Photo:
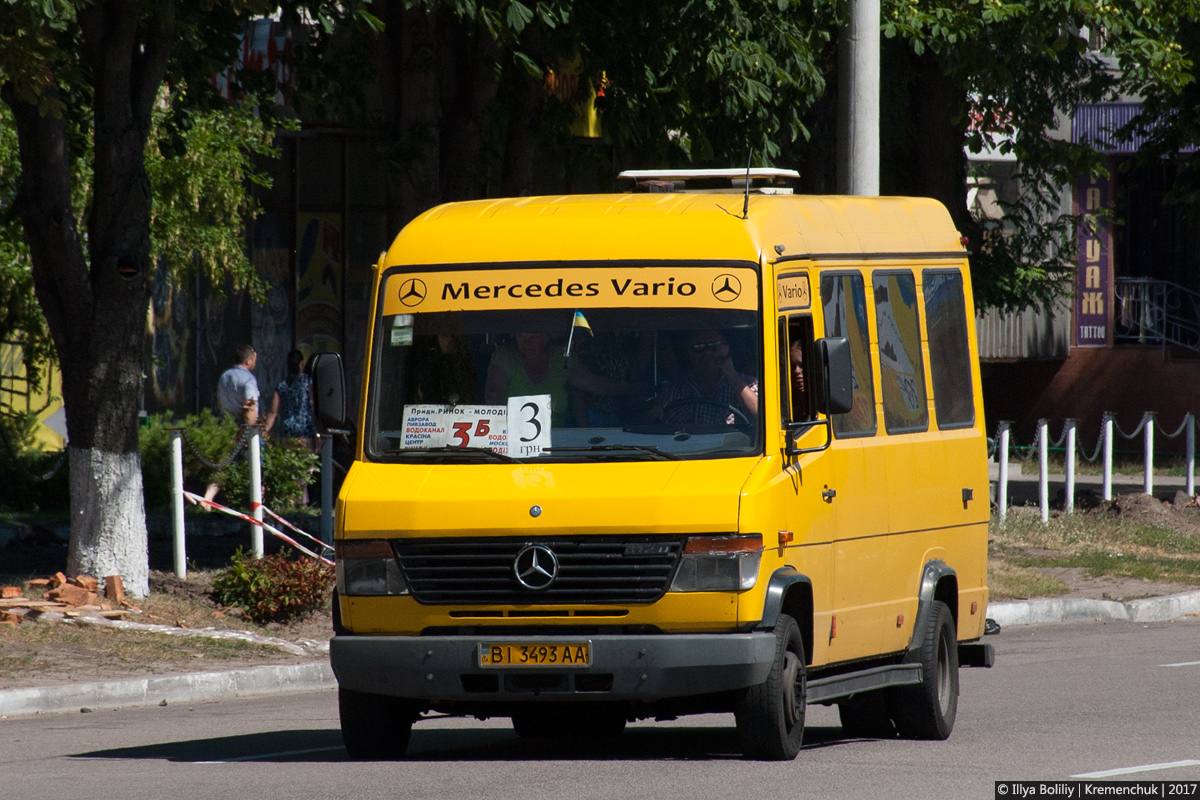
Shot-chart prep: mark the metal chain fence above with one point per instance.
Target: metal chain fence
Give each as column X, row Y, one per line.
column 239, row 444
column 16, row 459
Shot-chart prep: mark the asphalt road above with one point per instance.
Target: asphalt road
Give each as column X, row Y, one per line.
column 1063, row 700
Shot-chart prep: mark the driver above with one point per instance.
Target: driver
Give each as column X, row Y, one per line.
column 710, row 388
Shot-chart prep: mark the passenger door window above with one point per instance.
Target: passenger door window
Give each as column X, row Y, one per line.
column 795, row 373
column 949, row 348
column 901, row 367
column 845, row 304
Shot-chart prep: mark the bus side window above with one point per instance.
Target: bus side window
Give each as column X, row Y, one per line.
column 795, row 345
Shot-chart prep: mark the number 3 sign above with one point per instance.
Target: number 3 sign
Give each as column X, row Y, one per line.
column 528, row 425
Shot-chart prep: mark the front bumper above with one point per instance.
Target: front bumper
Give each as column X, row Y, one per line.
column 624, row 667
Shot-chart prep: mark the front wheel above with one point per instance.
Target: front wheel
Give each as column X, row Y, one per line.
column 770, row 717
column 375, row 727
column 927, row 709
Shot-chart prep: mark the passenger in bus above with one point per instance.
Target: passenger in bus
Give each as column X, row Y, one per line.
column 532, row 365
column 618, row 356
column 801, row 410
column 443, row 370
column 710, row 391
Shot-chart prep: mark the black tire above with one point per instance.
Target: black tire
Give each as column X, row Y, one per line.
column 927, row 710
column 865, row 716
column 574, row 723
column 770, row 717
column 375, row 727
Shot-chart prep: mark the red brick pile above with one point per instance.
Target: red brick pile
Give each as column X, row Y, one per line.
column 71, row 597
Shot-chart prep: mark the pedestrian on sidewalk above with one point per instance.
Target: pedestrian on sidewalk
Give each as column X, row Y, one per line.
column 292, row 404
column 237, row 394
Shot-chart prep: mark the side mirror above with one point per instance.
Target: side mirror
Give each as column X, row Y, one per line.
column 329, row 390
column 833, row 374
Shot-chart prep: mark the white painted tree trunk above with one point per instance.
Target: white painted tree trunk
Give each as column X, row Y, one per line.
column 108, row 523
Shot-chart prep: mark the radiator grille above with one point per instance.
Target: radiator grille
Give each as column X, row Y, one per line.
column 590, row 570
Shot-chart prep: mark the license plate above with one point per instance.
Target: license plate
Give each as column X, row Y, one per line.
column 535, row 654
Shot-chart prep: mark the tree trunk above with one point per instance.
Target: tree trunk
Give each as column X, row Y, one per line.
column 108, row 519
column 467, row 59
column 412, row 54
column 97, row 311
column 526, row 97
column 924, row 133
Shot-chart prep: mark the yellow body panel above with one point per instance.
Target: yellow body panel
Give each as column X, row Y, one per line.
column 898, row 502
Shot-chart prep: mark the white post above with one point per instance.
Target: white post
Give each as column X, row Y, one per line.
column 1070, row 459
column 858, row 101
column 1108, row 448
column 1044, row 468
column 177, row 502
column 1002, row 457
column 326, row 489
column 256, row 533
column 1191, row 454
column 1148, row 456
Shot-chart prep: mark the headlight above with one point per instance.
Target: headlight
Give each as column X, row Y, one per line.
column 367, row 567
column 719, row 564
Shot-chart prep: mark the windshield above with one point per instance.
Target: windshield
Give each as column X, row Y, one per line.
column 628, row 364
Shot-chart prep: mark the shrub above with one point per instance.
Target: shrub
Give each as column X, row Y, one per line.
column 275, row 588
column 285, row 467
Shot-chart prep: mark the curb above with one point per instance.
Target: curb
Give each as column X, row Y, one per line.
column 192, row 687
column 1151, row 609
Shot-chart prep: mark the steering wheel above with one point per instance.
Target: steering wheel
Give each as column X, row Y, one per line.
column 741, row 421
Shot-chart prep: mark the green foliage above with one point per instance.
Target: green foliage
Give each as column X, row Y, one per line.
column 200, row 179
column 285, row 467
column 275, row 588
column 1022, row 65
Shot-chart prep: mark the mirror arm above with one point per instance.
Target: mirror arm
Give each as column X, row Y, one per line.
column 797, row 429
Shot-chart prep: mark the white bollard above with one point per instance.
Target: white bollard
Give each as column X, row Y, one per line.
column 1002, row 457
column 1148, row 454
column 1108, row 448
column 177, row 502
column 1044, row 468
column 1191, row 454
column 256, row 532
column 1070, row 459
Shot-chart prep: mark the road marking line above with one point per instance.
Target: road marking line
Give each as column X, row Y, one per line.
column 1109, row 773
column 272, row 755
column 1182, row 664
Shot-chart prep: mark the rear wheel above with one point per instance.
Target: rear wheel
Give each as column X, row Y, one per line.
column 927, row 710
column 375, row 727
column 865, row 716
column 770, row 717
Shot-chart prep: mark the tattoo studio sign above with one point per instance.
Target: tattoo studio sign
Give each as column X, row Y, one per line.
column 520, row 429
column 1093, row 276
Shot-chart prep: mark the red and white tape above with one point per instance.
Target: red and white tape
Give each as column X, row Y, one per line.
column 198, row 500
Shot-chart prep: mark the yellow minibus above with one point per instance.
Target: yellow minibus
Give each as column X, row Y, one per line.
column 640, row 455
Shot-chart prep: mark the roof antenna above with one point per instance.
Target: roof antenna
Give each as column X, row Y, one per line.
column 746, row 201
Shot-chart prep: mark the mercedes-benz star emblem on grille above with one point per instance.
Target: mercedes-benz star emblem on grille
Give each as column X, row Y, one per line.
column 536, row 566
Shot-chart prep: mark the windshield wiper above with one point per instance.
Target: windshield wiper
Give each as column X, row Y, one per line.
column 653, row 452
column 452, row 450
